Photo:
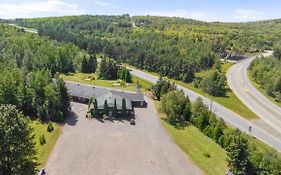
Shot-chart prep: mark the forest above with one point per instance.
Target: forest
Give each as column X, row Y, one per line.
column 173, row 47
column 30, row 88
column 29, row 64
column 266, row 72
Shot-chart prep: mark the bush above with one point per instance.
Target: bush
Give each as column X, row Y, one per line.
column 57, row 117
column 206, row 155
column 42, row 140
column 50, row 127
column 177, row 107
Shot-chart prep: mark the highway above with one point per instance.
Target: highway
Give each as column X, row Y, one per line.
column 227, row 115
column 240, row 84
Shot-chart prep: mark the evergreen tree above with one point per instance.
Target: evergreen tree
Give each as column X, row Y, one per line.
column 85, row 65
column 17, row 148
column 176, row 106
column 238, row 154
column 128, row 77
column 95, row 108
column 103, row 69
column 162, row 87
column 114, row 111
column 92, row 63
column 124, row 107
column 64, row 98
column 277, row 50
column 214, row 83
column 106, row 110
column 91, row 100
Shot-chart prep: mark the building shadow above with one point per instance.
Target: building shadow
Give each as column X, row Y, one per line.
column 119, row 118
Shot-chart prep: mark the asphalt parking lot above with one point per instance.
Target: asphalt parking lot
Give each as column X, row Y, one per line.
column 88, row 146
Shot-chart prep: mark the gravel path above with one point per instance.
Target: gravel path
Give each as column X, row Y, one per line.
column 88, row 146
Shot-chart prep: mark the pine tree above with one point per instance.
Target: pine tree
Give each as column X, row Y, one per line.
column 92, row 63
column 238, row 154
column 95, row 108
column 106, row 110
column 124, row 107
column 128, row 77
column 114, row 111
column 84, row 65
column 17, row 147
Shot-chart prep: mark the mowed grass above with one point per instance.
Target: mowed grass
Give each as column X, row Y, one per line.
column 230, row 101
column 82, row 78
column 43, row 151
column 195, row 144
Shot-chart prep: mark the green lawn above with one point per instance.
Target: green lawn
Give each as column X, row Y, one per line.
column 195, row 144
column 43, row 151
column 231, row 101
column 83, row 78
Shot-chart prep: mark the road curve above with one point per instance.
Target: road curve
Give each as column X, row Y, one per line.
column 227, row 115
column 240, row 84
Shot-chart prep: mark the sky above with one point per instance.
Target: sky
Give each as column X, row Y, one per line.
column 206, row 10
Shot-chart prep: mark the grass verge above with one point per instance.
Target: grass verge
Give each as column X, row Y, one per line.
column 203, row 151
column 82, row 78
column 230, row 101
column 43, row 151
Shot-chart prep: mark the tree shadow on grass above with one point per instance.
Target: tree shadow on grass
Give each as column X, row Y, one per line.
column 179, row 125
column 69, row 74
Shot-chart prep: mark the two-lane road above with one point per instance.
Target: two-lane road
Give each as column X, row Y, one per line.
column 240, row 84
column 227, row 115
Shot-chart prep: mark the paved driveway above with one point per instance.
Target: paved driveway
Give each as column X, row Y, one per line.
column 89, row 147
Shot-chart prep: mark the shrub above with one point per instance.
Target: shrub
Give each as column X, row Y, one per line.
column 57, row 117
column 206, row 155
column 50, row 127
column 42, row 140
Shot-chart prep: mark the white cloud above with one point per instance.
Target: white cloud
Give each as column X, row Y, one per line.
column 38, row 9
column 182, row 13
column 248, row 15
column 105, row 4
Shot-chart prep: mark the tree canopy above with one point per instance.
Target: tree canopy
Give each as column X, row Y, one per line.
column 17, row 149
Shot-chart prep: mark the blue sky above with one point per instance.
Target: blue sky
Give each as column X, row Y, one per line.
column 207, row 10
